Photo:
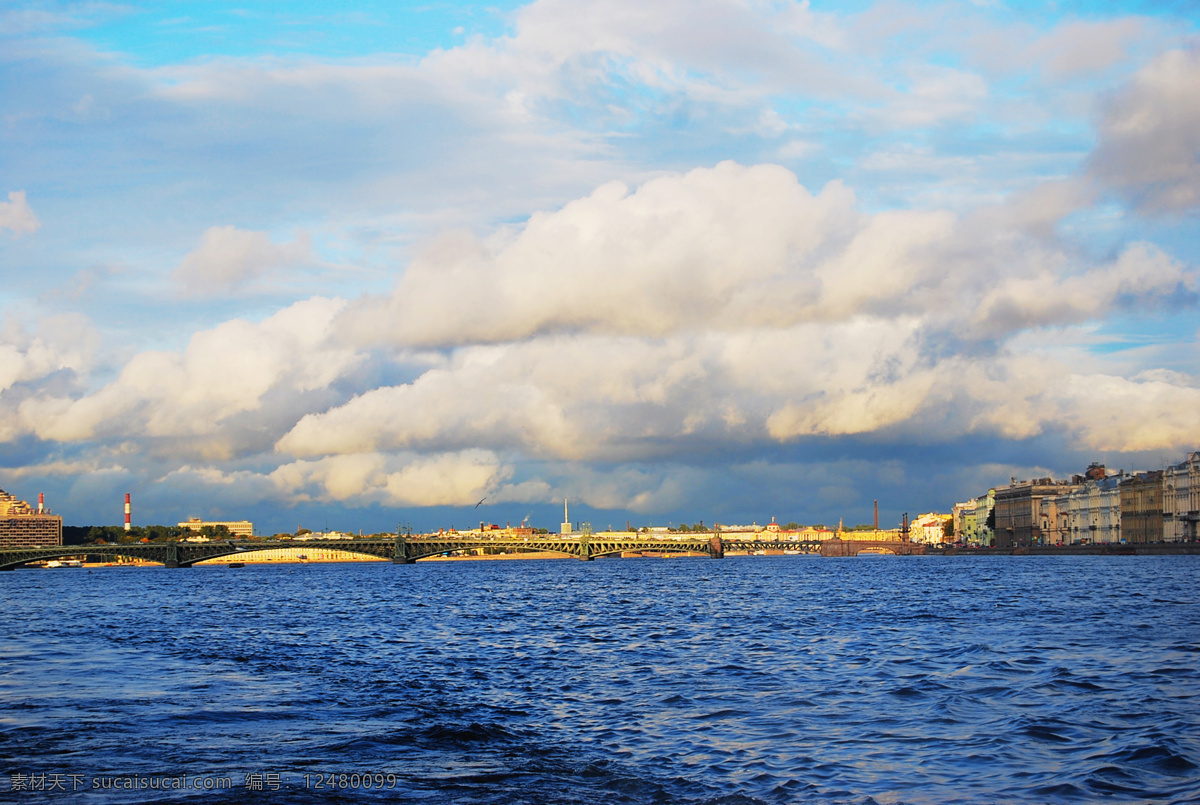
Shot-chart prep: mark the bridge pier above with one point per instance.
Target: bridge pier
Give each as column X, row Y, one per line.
column 400, row 556
column 716, row 550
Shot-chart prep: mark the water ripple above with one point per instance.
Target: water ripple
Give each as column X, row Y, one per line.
column 753, row 680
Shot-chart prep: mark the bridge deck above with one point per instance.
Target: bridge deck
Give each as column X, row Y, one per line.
column 401, row 550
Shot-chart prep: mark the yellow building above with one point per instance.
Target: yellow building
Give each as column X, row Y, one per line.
column 22, row 526
column 237, row 528
column 872, row 535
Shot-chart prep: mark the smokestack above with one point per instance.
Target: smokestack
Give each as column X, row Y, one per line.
column 41, row 502
column 127, row 524
column 877, row 515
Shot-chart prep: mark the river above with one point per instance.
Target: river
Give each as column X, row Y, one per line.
column 750, row 679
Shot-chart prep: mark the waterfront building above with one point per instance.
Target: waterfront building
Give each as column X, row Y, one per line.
column 1088, row 513
column 984, row 506
column 971, row 520
column 1020, row 520
column 964, row 517
column 870, row 535
column 1142, row 507
column 22, row 526
column 1181, row 500
column 237, row 528
column 928, row 528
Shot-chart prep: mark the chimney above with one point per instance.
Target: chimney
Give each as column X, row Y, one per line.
column 127, row 524
column 877, row 515
column 41, row 502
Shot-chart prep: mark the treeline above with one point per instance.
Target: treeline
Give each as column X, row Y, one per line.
column 97, row 534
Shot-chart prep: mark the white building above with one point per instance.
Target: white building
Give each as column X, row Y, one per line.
column 1090, row 513
column 1181, row 500
column 928, row 528
column 237, row 528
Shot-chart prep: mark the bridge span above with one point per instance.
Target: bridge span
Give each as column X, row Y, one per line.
column 400, row 550
column 851, row 547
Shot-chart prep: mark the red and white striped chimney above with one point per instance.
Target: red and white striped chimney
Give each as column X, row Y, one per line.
column 127, row 511
column 41, row 502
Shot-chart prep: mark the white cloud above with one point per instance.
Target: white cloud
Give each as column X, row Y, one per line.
column 676, row 253
column 229, row 258
column 735, row 247
column 1149, row 150
column 1141, row 276
column 16, row 215
column 447, row 479
column 224, row 372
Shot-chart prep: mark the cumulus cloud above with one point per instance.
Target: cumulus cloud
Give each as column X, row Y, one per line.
column 730, row 306
column 229, row 258
column 734, row 247
column 62, row 341
column 1142, row 275
column 224, row 372
column 53, row 353
column 361, row 479
column 16, row 215
column 1149, row 149
column 675, row 253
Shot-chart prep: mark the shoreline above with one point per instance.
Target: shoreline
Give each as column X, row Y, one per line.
column 1103, row 549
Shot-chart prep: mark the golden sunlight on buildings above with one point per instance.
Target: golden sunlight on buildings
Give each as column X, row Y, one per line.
column 23, row 526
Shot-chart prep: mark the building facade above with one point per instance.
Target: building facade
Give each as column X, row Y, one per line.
column 1020, row 518
column 1088, row 513
column 1142, row 507
column 1181, row 500
column 22, row 526
column 928, row 528
column 237, row 528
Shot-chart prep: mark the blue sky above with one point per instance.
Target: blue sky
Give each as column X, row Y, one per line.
column 675, row 261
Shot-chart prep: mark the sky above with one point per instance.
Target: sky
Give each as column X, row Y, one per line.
column 367, row 264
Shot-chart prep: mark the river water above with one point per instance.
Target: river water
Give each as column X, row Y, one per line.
column 752, row 679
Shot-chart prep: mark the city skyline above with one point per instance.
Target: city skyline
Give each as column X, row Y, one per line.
column 713, row 260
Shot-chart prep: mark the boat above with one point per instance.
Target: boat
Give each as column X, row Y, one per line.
column 237, row 564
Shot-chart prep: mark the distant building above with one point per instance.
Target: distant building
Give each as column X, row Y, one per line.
column 971, row 519
column 929, row 528
column 1181, row 500
column 22, row 526
column 869, row 535
column 1020, row 519
column 1142, row 507
column 1088, row 513
column 565, row 526
column 237, row 528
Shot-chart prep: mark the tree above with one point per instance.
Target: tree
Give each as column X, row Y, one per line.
column 792, row 527
column 948, row 528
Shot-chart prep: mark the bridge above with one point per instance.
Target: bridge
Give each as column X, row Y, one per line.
column 400, row 549
column 851, row 547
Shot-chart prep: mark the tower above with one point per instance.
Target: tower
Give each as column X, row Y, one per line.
column 566, row 523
